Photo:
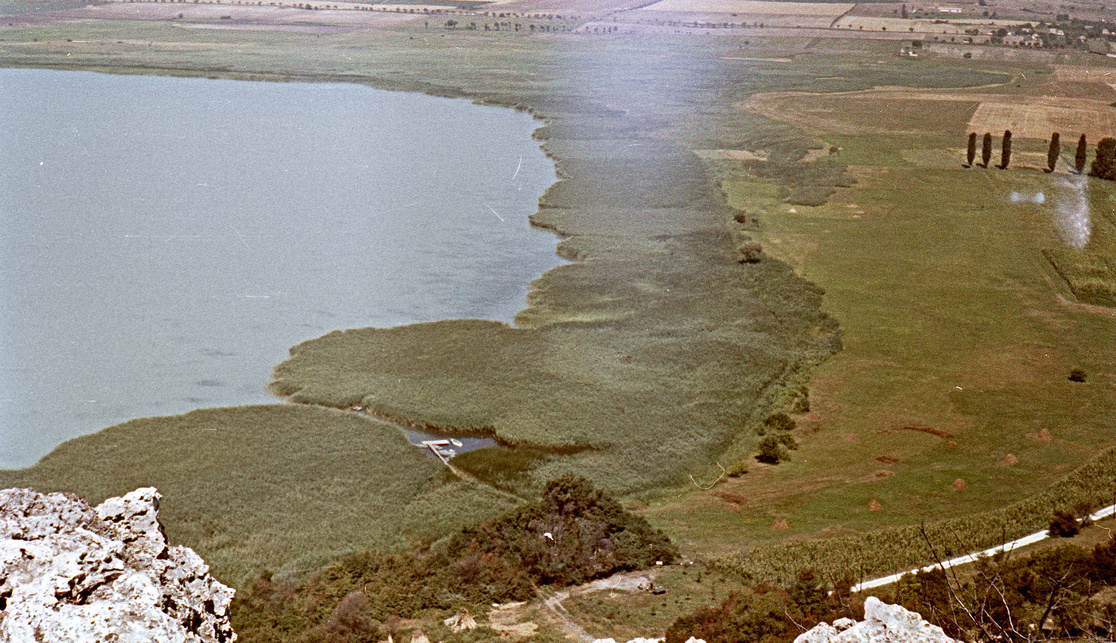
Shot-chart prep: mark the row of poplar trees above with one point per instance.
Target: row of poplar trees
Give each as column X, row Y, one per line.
column 986, row 150
column 1104, row 165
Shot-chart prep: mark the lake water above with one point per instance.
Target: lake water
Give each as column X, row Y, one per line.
column 164, row 241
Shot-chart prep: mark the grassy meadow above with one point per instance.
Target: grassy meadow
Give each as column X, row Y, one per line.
column 951, row 396
column 913, row 298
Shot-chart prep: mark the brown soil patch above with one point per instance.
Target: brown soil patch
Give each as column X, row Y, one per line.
column 727, row 496
column 875, row 506
column 504, row 619
column 1071, row 109
column 959, row 484
column 780, row 524
column 1010, row 460
column 922, row 429
column 883, row 473
column 887, row 459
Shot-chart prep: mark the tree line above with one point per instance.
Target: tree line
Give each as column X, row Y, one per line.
column 1103, row 166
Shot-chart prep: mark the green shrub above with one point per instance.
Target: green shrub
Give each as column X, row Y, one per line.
column 772, row 450
column 780, row 421
column 1063, row 525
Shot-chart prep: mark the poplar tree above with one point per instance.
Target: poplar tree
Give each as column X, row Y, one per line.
column 972, row 150
column 986, row 150
column 1005, row 150
column 1079, row 158
column 1054, row 152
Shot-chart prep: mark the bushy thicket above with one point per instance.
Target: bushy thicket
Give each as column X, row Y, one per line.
column 574, row 534
column 1052, row 594
column 767, row 614
column 1047, row 596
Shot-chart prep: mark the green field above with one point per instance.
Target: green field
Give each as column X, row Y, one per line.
column 647, row 364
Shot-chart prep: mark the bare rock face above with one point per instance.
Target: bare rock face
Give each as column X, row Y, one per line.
column 882, row 623
column 73, row 573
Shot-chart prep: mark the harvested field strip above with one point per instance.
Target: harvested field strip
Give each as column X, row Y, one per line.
column 1040, row 120
column 1081, row 74
column 752, row 7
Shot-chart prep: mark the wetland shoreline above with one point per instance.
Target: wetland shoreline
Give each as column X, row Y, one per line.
column 634, row 366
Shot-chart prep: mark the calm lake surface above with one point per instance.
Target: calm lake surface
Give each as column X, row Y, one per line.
column 165, row 241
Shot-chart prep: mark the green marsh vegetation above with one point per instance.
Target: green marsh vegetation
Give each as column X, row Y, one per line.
column 282, row 487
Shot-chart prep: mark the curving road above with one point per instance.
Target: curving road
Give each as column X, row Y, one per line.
column 970, row 558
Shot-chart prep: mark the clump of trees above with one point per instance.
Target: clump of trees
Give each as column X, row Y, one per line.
column 573, row 534
column 776, row 441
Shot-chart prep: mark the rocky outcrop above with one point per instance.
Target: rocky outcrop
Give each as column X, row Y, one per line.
column 73, row 573
column 882, row 623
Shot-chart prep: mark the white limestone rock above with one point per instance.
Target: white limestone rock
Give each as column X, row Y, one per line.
column 75, row 574
column 882, row 623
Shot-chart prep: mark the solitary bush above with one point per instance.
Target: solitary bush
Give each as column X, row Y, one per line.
column 1064, row 525
column 351, row 621
column 772, row 450
column 750, row 252
column 1104, row 165
column 801, row 402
